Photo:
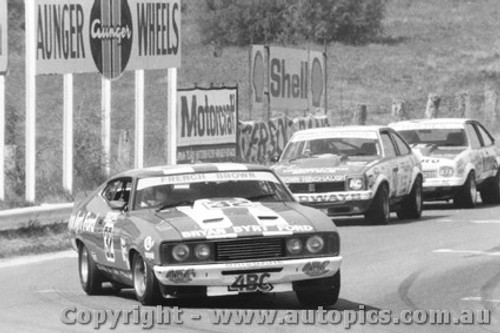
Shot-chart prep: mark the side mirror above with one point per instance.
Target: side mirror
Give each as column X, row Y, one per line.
column 117, row 205
column 275, row 158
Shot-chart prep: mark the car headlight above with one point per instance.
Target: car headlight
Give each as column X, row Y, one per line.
column 294, row 246
column 180, row 252
column 315, row 244
column 202, row 251
column 356, row 184
column 446, row 171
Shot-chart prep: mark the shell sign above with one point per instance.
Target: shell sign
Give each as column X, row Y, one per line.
column 107, row 36
column 4, row 53
column 294, row 79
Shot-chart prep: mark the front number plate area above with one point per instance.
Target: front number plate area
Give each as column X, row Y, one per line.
column 250, row 283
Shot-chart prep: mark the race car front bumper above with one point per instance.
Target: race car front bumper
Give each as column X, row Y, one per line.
column 338, row 203
column 441, row 187
column 236, row 277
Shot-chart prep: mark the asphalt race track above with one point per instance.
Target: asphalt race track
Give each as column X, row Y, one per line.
column 448, row 260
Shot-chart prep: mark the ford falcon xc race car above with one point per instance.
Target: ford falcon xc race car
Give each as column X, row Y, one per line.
column 353, row 170
column 459, row 157
column 204, row 230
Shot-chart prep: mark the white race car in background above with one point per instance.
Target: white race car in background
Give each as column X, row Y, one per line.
column 459, row 158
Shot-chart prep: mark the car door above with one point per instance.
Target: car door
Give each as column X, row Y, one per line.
column 390, row 161
column 116, row 196
column 476, row 155
column 405, row 165
column 487, row 151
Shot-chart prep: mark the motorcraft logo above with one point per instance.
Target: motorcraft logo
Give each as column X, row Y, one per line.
column 111, row 34
column 258, row 76
column 317, row 82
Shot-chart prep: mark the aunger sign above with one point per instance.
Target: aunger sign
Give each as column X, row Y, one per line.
column 107, row 36
column 4, row 53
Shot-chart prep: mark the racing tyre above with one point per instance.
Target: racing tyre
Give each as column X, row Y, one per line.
column 146, row 286
column 411, row 207
column 491, row 194
column 380, row 211
column 90, row 277
column 466, row 197
column 319, row 292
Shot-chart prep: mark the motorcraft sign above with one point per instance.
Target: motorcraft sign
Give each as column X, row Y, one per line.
column 108, row 36
column 206, row 122
column 4, row 53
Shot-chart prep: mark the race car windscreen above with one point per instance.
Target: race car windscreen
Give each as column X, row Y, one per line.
column 175, row 190
column 451, row 137
column 346, row 144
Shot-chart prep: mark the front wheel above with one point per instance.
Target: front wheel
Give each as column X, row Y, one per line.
column 466, row 197
column 145, row 283
column 491, row 194
column 90, row 276
column 411, row 208
column 319, row 292
column 379, row 211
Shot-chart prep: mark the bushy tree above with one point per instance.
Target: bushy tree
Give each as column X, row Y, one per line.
column 242, row 22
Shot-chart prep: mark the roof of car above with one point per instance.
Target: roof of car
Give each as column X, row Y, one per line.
column 432, row 121
column 164, row 170
column 361, row 128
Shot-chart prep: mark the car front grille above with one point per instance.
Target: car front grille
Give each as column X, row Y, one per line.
column 316, row 187
column 240, row 249
column 430, row 173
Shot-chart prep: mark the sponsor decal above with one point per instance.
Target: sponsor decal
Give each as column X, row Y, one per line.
column 109, row 249
column 206, row 177
column 251, row 283
column 90, row 221
column 317, row 170
column 111, row 34
column 332, row 197
column 316, row 268
column 335, row 134
column 149, row 255
column 253, row 264
column 243, row 230
column 123, row 249
column 93, row 255
column 148, row 243
column 180, row 275
column 313, row 179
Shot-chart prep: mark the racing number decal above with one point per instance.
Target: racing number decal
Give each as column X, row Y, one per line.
column 109, row 250
column 251, row 283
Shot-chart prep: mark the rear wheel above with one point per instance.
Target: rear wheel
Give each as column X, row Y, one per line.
column 146, row 286
column 411, row 208
column 319, row 292
column 466, row 197
column 90, row 276
column 379, row 212
column 491, row 194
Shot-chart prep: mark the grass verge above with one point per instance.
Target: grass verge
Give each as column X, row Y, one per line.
column 34, row 240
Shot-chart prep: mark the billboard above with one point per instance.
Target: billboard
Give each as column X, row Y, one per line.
column 4, row 52
column 207, row 124
column 109, row 37
column 294, row 79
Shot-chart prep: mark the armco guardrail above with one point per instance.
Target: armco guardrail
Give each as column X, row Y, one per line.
column 41, row 215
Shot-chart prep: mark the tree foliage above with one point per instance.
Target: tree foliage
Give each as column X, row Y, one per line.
column 243, row 22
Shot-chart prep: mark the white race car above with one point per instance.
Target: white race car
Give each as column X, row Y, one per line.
column 459, row 158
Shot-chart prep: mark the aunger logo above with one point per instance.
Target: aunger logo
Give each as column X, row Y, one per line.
column 111, row 34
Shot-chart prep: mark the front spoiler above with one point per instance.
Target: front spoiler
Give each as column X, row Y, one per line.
column 220, row 276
